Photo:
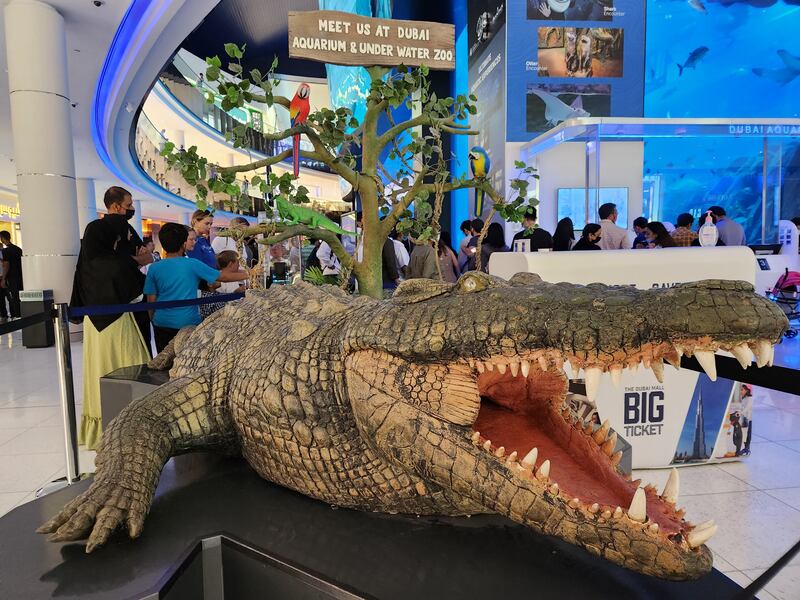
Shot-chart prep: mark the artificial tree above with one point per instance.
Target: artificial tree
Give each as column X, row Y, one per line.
column 352, row 149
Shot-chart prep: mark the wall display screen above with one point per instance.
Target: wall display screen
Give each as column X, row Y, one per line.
column 572, row 203
column 570, row 59
column 486, row 37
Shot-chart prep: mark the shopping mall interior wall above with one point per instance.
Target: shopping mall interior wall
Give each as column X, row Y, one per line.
column 564, row 167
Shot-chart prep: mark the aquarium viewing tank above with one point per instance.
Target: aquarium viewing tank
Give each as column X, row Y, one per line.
column 748, row 166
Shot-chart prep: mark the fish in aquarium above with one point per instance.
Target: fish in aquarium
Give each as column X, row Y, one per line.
column 695, row 56
column 784, row 75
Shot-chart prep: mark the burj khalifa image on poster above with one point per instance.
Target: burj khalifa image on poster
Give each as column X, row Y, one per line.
column 699, row 448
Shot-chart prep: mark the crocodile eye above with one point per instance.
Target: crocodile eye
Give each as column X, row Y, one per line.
column 473, row 282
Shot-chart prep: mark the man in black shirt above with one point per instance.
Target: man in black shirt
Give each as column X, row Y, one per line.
column 539, row 237
column 11, row 277
column 119, row 203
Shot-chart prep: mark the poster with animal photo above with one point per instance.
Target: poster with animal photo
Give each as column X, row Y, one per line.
column 570, row 10
column 580, row 52
column 547, row 105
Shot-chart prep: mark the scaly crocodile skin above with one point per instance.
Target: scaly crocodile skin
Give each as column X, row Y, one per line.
column 372, row 405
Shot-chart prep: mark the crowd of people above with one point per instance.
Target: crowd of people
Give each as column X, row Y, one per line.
column 117, row 267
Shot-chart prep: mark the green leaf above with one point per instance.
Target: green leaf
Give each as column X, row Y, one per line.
column 168, row 148
column 519, row 164
column 256, row 180
column 214, row 61
column 255, row 74
column 201, row 203
column 274, row 64
column 212, row 73
column 233, row 51
column 235, row 68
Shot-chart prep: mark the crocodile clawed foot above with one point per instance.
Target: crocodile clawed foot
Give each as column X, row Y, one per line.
column 96, row 514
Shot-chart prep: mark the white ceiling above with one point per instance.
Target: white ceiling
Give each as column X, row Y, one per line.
column 89, row 32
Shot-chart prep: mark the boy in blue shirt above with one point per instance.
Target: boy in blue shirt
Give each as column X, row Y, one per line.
column 178, row 277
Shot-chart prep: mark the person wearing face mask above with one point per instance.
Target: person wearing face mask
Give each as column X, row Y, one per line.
column 202, row 220
column 592, row 234
column 105, row 275
column 119, row 203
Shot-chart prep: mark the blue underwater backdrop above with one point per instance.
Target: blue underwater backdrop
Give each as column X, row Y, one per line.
column 727, row 59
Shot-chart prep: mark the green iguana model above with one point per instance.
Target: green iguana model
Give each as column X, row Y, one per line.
column 296, row 214
column 443, row 400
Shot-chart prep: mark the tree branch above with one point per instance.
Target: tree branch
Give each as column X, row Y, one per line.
column 446, row 124
column 271, row 160
column 278, row 232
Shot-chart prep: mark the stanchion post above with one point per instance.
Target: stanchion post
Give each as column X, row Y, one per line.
column 61, row 326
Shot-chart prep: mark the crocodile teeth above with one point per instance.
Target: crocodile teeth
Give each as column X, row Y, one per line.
column 500, row 452
column 544, row 470
column 698, row 538
column 679, row 351
column 609, row 445
column 588, row 429
column 658, row 370
column 512, row 457
column 617, row 512
column 743, row 354
column 594, row 508
column 480, row 366
column 653, row 528
column 616, row 458
column 633, row 367
column 616, row 376
column 601, row 434
column 487, row 445
column 607, row 514
column 592, row 382
column 672, row 487
column 476, row 437
column 574, row 503
column 525, row 366
column 708, row 362
column 502, row 368
column 542, row 363
column 514, row 368
column 530, row 458
column 704, row 525
column 489, row 366
column 553, row 489
column 471, row 363
column 761, row 350
column 638, row 507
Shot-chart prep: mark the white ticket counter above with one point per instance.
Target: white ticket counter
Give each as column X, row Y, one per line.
column 687, row 419
column 643, row 268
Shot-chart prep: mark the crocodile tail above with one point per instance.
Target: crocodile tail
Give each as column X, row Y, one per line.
column 296, row 155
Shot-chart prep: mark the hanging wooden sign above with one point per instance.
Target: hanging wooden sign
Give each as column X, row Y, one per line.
column 346, row 39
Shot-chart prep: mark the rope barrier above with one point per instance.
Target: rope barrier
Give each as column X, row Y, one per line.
column 113, row 309
column 17, row 324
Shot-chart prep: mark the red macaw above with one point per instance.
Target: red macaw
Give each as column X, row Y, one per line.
column 298, row 112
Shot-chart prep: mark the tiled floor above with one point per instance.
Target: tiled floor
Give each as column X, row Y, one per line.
column 755, row 502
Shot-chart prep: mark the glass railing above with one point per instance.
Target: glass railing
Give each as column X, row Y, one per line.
column 149, row 144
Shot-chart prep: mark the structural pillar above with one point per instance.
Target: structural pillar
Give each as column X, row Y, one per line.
column 87, row 203
column 186, row 219
column 42, row 132
column 177, row 137
column 136, row 221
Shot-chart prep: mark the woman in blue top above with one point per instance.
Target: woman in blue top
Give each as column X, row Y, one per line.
column 202, row 220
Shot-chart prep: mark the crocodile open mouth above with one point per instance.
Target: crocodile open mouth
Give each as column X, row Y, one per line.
column 524, row 422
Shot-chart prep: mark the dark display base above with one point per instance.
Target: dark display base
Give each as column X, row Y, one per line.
column 201, row 497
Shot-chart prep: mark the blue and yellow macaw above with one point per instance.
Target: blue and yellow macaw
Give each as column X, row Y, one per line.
column 479, row 163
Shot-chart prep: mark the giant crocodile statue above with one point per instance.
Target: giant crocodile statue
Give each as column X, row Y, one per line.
column 443, row 400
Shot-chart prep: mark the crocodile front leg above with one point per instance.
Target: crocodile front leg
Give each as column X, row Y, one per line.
column 176, row 418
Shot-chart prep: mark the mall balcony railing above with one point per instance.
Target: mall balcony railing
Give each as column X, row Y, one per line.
column 149, row 143
column 189, row 88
